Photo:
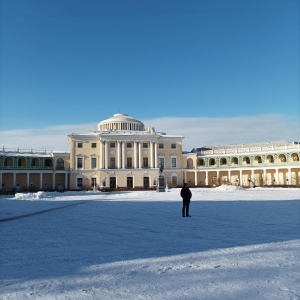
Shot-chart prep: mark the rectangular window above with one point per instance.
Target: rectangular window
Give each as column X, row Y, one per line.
column 173, row 162
column 129, row 162
column 173, row 146
column 161, row 146
column 79, row 182
column 129, row 145
column 94, row 163
column 79, row 162
column 94, row 145
column 145, row 145
column 79, row 145
column 145, row 162
column 112, row 163
column 162, row 161
column 112, row 144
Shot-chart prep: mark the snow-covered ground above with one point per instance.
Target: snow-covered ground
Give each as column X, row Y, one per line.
column 238, row 244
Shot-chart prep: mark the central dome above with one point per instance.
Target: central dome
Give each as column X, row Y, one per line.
column 121, row 122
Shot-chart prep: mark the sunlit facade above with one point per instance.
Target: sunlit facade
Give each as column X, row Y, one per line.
column 120, row 153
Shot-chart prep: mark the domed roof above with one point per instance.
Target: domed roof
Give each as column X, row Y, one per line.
column 121, row 122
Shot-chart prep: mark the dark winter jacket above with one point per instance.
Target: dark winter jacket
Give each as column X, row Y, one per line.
column 186, row 194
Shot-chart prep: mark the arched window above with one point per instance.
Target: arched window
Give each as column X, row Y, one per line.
column 190, row 163
column 21, row 162
column 295, row 157
column 34, row 162
column 200, row 162
column 48, row 162
column 8, row 162
column 258, row 159
column 60, row 164
column 223, row 161
column 212, row 162
column 282, row 158
column 270, row 159
column 246, row 160
column 234, row 161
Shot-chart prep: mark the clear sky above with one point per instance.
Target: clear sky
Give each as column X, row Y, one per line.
column 75, row 63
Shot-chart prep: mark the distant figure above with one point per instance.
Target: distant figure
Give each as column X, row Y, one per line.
column 186, row 195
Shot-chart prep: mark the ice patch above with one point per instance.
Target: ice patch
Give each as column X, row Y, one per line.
column 30, row 196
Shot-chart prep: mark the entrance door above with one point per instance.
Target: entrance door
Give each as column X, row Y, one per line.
column 146, row 182
column 129, row 182
column 112, row 182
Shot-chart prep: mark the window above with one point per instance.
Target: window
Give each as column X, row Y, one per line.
column 48, row 162
column 79, row 145
column 200, row 162
column 145, row 145
column 94, row 145
column 173, row 162
column 223, row 161
column 129, row 162
column 112, row 144
column 173, row 146
column 234, row 161
column 212, row 162
column 145, row 162
column 94, row 163
column 129, row 145
column 161, row 146
column 60, row 164
column 79, row 162
column 162, row 161
column 112, row 161
column 79, row 182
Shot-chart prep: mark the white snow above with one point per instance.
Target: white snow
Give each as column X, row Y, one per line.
column 238, row 244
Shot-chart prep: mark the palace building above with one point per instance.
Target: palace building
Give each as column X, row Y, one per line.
column 120, row 153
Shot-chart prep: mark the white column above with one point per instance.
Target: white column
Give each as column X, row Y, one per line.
column 101, row 155
column 140, row 155
column 196, row 179
column 151, row 155
column 135, row 155
column 0, row 181
column 277, row 176
column 229, row 175
column 265, row 177
column 123, row 155
column 106, row 155
column 155, row 155
column 241, row 178
column 66, row 181
column 27, row 181
column 41, row 181
column 252, row 176
column 206, row 178
column 119, row 155
column 185, row 177
column 290, row 176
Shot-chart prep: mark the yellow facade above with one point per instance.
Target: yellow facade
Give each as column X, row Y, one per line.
column 122, row 154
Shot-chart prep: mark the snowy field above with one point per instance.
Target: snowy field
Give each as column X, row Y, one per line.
column 238, row 244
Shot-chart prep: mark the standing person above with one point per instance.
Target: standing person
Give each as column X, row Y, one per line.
column 186, row 195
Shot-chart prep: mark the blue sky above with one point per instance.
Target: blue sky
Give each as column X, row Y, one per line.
column 76, row 63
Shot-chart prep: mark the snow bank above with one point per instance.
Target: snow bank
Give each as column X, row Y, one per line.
column 30, row 196
column 229, row 188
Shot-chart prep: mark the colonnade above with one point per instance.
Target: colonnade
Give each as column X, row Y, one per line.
column 275, row 179
column 28, row 182
column 121, row 155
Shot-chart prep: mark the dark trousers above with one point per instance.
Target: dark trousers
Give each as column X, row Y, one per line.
column 185, row 208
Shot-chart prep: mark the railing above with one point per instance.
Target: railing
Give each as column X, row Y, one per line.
column 249, row 149
column 18, row 150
